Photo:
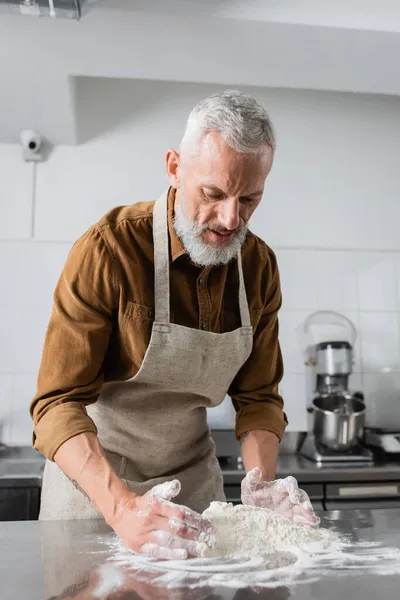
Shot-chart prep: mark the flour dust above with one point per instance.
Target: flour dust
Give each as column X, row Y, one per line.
column 254, row 547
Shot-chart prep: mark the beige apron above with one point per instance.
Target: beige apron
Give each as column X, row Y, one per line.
column 153, row 427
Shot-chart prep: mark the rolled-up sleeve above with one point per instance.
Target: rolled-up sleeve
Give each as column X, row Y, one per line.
column 77, row 337
column 254, row 391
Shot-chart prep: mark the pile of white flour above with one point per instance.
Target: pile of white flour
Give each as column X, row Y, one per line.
column 247, row 531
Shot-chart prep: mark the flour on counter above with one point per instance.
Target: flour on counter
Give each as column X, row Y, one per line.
column 243, row 531
column 254, row 547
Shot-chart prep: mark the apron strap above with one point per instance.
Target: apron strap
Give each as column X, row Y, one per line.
column 161, row 267
column 161, row 260
column 243, row 304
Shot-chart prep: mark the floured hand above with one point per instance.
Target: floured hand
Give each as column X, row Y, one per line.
column 155, row 526
column 282, row 496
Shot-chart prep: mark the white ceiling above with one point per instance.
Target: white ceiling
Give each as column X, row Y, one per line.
column 343, row 45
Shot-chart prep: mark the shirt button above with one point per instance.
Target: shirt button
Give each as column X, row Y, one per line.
column 201, row 280
column 204, row 326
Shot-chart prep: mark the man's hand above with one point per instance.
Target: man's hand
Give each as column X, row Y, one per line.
column 282, row 496
column 155, row 526
column 149, row 524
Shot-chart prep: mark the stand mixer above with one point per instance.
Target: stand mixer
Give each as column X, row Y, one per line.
column 337, row 414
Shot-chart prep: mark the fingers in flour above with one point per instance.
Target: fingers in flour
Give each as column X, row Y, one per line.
column 189, row 533
column 162, row 553
column 154, row 522
column 307, row 510
column 182, row 513
column 183, row 529
column 192, row 547
column 252, row 479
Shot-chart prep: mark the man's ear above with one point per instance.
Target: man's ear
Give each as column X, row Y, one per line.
column 172, row 164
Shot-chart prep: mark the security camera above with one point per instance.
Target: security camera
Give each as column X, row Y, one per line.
column 31, row 142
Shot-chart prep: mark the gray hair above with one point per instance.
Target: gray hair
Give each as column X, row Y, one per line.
column 242, row 122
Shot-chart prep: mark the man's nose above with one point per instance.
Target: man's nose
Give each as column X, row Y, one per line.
column 229, row 216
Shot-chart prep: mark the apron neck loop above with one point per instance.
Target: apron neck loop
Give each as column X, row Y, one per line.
column 161, row 267
column 243, row 304
column 161, row 260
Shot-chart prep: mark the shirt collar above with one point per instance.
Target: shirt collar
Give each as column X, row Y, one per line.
column 177, row 248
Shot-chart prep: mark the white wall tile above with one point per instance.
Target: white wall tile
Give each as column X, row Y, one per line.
column 289, row 324
column 23, row 332
column 6, row 391
column 376, row 281
column 356, row 382
column 16, row 193
column 293, row 390
column 379, row 342
column 337, row 284
column 24, row 387
column 382, row 392
column 132, row 123
column 87, row 181
column 222, row 416
column 31, row 271
column 124, row 160
column 299, row 279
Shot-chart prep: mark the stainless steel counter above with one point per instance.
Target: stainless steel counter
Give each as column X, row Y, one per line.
column 62, row 559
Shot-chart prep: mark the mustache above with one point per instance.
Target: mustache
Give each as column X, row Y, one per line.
column 218, row 228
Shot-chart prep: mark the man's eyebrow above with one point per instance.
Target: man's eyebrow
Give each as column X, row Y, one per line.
column 214, row 188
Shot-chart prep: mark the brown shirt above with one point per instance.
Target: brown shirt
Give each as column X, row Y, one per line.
column 102, row 318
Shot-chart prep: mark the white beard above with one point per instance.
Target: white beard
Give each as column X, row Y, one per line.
column 201, row 253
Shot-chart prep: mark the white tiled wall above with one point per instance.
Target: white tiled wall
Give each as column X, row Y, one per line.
column 370, row 301
column 122, row 162
column 363, row 286
column 16, row 194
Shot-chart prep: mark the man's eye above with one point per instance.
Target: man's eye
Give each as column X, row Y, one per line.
column 214, row 196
